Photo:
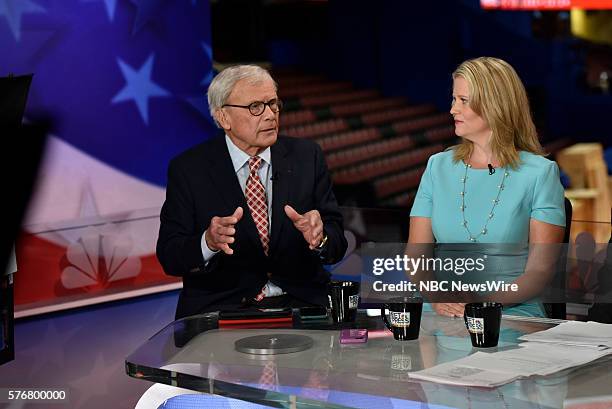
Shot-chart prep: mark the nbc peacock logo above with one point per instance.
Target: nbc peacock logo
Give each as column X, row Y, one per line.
column 100, row 256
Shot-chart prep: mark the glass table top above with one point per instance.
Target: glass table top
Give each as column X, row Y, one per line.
column 196, row 354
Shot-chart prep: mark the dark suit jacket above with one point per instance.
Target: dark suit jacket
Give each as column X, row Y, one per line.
column 202, row 184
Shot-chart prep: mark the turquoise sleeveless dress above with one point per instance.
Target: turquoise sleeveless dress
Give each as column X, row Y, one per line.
column 532, row 191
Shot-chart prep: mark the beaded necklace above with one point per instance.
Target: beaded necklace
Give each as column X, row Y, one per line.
column 471, row 237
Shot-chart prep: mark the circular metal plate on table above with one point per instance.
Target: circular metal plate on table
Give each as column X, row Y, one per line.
column 272, row 344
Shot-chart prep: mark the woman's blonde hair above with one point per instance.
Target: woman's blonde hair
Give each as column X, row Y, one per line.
column 499, row 97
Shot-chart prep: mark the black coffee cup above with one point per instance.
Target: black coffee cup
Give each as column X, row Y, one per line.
column 404, row 317
column 343, row 297
column 482, row 320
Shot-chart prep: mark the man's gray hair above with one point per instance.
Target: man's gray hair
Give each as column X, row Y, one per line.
column 222, row 85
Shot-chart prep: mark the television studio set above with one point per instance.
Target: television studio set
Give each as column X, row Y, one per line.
column 302, row 204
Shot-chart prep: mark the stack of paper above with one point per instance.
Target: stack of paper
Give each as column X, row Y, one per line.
column 464, row 372
column 575, row 333
column 566, row 346
column 498, row 368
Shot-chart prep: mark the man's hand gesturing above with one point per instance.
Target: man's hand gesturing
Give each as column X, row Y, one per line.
column 309, row 224
column 220, row 233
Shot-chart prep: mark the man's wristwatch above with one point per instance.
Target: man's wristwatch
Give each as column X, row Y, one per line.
column 321, row 245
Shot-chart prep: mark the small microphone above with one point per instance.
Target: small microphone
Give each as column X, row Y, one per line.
column 491, row 169
column 275, row 176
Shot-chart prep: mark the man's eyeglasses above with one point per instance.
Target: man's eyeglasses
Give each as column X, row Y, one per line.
column 258, row 107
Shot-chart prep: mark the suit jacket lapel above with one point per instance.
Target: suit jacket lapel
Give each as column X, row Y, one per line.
column 226, row 185
column 281, row 166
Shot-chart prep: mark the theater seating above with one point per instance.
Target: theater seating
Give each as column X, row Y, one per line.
column 370, row 141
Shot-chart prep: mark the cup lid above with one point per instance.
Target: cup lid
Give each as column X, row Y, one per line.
column 340, row 283
column 479, row 305
column 407, row 299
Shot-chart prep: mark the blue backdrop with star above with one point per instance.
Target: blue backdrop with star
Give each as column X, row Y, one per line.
column 123, row 80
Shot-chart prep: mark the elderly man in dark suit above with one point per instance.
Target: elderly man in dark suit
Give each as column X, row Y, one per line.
column 249, row 218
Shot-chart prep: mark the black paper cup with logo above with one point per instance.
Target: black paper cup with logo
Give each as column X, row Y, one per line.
column 403, row 317
column 483, row 320
column 343, row 297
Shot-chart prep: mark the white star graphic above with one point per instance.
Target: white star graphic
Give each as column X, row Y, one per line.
column 12, row 10
column 139, row 87
column 110, row 6
column 209, row 76
column 88, row 211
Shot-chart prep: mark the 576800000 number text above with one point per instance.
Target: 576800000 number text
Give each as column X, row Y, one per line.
column 33, row 394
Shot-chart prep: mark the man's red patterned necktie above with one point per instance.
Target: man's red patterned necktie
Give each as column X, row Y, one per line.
column 257, row 202
column 269, row 376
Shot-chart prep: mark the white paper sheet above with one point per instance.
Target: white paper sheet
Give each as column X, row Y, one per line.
column 461, row 372
column 498, row 368
column 535, row 359
column 575, row 333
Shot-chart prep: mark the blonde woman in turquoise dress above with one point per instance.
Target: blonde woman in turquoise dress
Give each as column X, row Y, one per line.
column 496, row 186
